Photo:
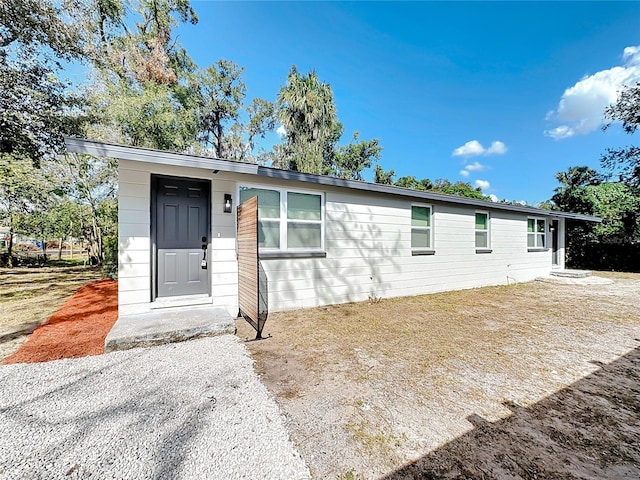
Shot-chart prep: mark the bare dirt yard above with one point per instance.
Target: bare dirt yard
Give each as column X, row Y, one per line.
column 528, row 381
column 29, row 296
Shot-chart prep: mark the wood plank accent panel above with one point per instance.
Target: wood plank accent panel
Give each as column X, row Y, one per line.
column 252, row 289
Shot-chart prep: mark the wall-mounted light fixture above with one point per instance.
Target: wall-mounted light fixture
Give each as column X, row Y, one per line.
column 227, row 203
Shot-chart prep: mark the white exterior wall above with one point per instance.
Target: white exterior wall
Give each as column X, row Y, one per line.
column 367, row 245
column 134, row 249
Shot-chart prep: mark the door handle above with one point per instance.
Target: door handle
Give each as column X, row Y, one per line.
column 203, row 263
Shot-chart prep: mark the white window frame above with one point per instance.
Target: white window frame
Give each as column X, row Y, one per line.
column 431, row 247
column 537, row 234
column 284, row 221
column 487, row 248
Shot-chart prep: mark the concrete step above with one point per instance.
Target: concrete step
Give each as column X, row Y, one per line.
column 571, row 273
column 167, row 326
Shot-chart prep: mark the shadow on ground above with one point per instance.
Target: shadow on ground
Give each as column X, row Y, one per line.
column 587, row 430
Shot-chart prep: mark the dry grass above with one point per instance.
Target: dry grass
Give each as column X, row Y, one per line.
column 28, row 296
column 370, row 386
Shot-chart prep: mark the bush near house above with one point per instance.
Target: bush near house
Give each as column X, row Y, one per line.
column 607, row 255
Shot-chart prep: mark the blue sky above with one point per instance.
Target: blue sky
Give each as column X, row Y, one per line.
column 502, row 95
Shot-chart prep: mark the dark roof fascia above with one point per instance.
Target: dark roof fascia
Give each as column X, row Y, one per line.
column 100, row 149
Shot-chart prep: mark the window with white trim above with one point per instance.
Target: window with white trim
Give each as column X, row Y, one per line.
column 304, row 220
column 482, row 231
column 421, row 228
column 536, row 233
column 287, row 220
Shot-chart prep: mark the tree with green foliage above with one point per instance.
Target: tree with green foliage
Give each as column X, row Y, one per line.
column 349, row 161
column 27, row 193
column 220, row 94
column 609, row 244
column 261, row 120
column 380, row 175
column 306, row 109
column 460, row 189
column 35, row 105
column 36, row 109
column 576, row 177
column 91, row 182
column 625, row 161
column 140, row 95
column 409, row 181
column 572, row 194
column 41, row 24
column 67, row 220
column 616, row 203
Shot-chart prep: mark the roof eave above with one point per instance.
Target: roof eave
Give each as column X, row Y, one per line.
column 100, row 149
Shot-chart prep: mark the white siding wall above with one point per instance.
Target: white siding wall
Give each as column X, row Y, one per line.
column 224, row 268
column 134, row 269
column 367, row 244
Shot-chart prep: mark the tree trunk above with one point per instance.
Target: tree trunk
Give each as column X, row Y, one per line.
column 96, row 246
column 10, row 247
column 60, row 248
column 44, row 251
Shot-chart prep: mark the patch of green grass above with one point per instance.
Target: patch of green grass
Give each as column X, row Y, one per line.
column 350, row 475
column 31, row 295
column 380, row 442
column 66, row 262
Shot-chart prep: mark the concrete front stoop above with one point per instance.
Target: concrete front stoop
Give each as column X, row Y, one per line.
column 168, row 325
column 571, row 273
column 574, row 277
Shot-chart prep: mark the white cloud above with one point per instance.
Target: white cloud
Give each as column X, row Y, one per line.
column 494, row 198
column 281, row 131
column 474, row 148
column 469, row 149
column 581, row 107
column 475, row 167
column 483, row 184
column 472, row 167
column 497, row 148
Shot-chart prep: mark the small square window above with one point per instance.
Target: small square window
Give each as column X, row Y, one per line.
column 536, row 233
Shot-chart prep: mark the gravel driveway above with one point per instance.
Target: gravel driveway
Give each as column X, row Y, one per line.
column 189, row 410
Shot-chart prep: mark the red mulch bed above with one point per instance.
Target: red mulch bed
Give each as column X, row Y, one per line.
column 77, row 329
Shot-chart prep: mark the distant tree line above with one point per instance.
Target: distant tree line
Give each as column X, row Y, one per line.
column 440, row 185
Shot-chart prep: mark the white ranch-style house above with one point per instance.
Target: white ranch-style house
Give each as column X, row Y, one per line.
column 322, row 240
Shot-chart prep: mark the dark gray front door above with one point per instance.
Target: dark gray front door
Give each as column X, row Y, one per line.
column 182, row 236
